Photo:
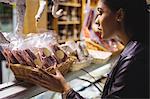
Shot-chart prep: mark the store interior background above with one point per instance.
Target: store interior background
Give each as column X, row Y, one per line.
column 68, row 27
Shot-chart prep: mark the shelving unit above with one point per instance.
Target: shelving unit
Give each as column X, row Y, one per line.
column 68, row 22
column 69, row 25
column 70, row 4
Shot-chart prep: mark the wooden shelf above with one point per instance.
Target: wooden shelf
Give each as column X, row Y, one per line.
column 70, row 4
column 68, row 22
column 63, row 41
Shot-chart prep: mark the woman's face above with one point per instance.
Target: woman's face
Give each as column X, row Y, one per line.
column 106, row 21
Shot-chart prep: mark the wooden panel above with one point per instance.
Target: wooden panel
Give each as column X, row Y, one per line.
column 94, row 3
column 83, row 11
column 68, row 22
column 71, row 4
column 30, row 24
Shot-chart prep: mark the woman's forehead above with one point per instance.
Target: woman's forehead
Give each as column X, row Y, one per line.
column 103, row 6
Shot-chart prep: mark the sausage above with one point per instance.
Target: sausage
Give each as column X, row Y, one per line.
column 4, row 52
column 27, row 58
column 9, row 56
column 18, row 56
column 31, row 54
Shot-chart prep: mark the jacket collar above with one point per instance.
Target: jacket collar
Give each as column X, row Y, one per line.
column 131, row 49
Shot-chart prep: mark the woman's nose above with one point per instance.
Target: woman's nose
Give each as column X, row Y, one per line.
column 97, row 21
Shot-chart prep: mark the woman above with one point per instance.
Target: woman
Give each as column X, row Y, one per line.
column 129, row 77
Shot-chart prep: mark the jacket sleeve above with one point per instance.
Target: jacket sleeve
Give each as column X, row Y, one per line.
column 72, row 95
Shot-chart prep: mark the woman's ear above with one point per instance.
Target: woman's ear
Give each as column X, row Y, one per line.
column 120, row 15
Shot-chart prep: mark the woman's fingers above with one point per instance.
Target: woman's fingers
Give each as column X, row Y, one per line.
column 55, row 65
column 49, row 84
column 46, row 73
column 57, row 72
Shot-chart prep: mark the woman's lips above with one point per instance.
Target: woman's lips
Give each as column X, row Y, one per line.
column 100, row 30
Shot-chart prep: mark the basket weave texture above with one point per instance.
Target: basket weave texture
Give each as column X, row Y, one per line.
column 41, row 76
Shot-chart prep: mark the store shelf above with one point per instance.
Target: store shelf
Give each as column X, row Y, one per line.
column 68, row 26
column 70, row 4
column 63, row 41
column 68, row 22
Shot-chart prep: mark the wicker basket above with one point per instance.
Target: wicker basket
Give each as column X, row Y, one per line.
column 41, row 76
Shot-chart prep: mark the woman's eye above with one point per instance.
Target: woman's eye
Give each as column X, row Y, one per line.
column 99, row 11
column 98, row 14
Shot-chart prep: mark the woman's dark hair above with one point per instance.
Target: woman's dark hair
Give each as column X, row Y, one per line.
column 135, row 17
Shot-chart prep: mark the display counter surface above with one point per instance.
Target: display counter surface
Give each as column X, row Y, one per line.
column 24, row 90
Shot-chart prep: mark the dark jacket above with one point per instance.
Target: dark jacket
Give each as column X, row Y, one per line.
column 130, row 77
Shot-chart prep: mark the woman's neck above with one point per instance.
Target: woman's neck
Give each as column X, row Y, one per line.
column 123, row 37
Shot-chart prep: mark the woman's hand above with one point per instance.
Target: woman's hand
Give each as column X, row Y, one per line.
column 61, row 80
column 54, row 82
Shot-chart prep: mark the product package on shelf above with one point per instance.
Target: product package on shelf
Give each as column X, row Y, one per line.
column 99, row 57
column 36, row 56
column 85, row 56
column 79, row 51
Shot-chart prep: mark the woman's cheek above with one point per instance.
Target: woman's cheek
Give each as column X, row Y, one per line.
column 103, row 28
